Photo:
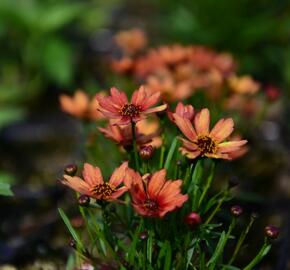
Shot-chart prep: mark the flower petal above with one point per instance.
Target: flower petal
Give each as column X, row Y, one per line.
column 156, row 183
column 77, row 184
column 92, row 175
column 118, row 175
column 119, row 97
column 222, row 129
column 119, row 192
column 185, row 126
column 156, row 109
column 227, row 147
column 201, row 122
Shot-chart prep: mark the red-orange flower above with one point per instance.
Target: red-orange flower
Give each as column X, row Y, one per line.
column 146, row 132
column 117, row 107
column 186, row 111
column 93, row 184
column 203, row 142
column 154, row 196
column 81, row 106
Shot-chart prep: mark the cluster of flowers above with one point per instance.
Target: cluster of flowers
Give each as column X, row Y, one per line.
column 178, row 72
column 151, row 194
column 162, row 194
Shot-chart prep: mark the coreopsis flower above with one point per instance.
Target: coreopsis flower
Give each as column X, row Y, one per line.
column 203, row 142
column 146, row 132
column 154, row 196
column 81, row 106
column 186, row 111
column 131, row 41
column 93, row 184
column 243, row 85
column 120, row 111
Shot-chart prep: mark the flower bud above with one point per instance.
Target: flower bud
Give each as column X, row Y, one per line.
column 236, row 210
column 271, row 231
column 84, row 200
column 193, row 219
column 272, row 93
column 254, row 215
column 71, row 169
column 178, row 162
column 146, row 152
column 72, row 243
column 143, row 235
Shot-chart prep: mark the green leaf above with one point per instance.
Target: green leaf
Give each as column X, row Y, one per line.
column 149, row 247
column 218, row 251
column 56, row 16
column 72, row 231
column 58, row 61
column 167, row 263
column 230, row 267
column 170, row 154
column 5, row 189
column 10, row 115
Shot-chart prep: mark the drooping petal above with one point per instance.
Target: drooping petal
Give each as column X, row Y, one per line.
column 118, row 175
column 119, row 192
column 227, row 147
column 156, row 109
column 185, row 126
column 156, row 183
column 92, row 175
column 190, row 146
column 222, row 129
column 189, row 154
column 77, row 184
column 201, row 122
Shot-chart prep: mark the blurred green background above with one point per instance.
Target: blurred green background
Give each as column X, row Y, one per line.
column 49, row 47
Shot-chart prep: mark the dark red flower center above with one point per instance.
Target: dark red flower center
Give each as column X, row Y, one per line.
column 130, row 110
column 103, row 190
column 206, row 145
column 151, row 205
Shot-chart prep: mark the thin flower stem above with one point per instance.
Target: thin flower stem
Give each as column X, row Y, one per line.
column 217, row 208
column 162, row 152
column 263, row 251
column 207, row 185
column 241, row 241
column 133, row 125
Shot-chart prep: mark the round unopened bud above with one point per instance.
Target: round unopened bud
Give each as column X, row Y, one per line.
column 254, row 215
column 178, row 162
column 236, row 210
column 193, row 219
column 71, row 169
column 84, row 200
column 146, row 152
column 272, row 231
column 72, row 243
column 143, row 235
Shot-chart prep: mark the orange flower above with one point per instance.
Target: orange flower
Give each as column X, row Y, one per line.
column 93, row 184
column 122, row 112
column 185, row 111
column 202, row 142
column 81, row 106
column 131, row 41
column 153, row 196
column 146, row 132
column 243, row 85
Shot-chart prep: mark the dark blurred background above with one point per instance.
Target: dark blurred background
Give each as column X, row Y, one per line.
column 49, row 47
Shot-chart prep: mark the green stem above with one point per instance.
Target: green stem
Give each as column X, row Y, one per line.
column 207, row 185
column 133, row 125
column 217, row 208
column 241, row 241
column 263, row 251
